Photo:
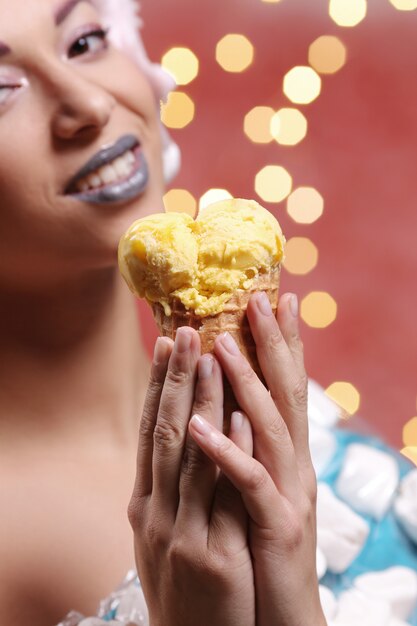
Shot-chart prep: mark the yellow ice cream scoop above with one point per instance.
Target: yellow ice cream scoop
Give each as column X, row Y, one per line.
column 202, row 262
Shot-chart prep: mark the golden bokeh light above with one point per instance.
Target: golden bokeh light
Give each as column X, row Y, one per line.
column 234, row 53
column 213, row 195
column 346, row 396
column 301, row 255
column 271, row 1
column 257, row 124
column 347, row 12
column 273, row 183
column 318, row 309
column 404, row 5
column 305, row 205
column 327, row 54
column 178, row 111
column 182, row 64
column 410, row 452
column 302, row 84
column 410, row 432
column 181, row 201
column 288, row 126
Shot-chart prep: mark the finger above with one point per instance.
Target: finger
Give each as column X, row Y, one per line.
column 287, row 315
column 173, row 417
column 198, row 473
column 285, row 380
column 229, row 519
column 250, row 478
column 241, row 432
column 162, row 353
column 272, row 443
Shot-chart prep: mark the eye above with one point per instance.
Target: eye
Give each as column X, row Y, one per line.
column 90, row 43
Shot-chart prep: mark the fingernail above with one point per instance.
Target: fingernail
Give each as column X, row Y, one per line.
column 160, row 354
column 206, row 432
column 205, row 367
column 237, row 421
column 294, row 305
column 264, row 304
column 183, row 340
column 229, row 343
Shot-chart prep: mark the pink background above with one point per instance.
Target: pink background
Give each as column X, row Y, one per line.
column 360, row 154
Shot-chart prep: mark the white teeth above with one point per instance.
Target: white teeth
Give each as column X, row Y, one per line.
column 94, row 180
column 108, row 174
column 121, row 166
column 130, row 157
column 83, row 185
column 111, row 172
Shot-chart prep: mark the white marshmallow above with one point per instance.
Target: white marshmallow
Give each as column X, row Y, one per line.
column 368, row 479
column 355, row 608
column 321, row 563
column 321, row 409
column 323, row 446
column 341, row 533
column 405, row 505
column 395, row 585
column 132, row 607
column 328, row 602
column 397, row 622
column 96, row 621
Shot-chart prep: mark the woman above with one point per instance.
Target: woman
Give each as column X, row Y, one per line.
column 74, row 375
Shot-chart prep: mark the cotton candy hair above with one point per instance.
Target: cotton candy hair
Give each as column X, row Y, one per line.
column 122, row 16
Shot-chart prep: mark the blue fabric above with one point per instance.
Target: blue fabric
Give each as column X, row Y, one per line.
column 387, row 544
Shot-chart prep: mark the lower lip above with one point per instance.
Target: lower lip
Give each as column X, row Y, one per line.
column 125, row 189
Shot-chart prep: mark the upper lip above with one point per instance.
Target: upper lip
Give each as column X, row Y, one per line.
column 105, row 155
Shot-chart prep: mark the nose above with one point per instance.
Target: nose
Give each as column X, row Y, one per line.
column 81, row 106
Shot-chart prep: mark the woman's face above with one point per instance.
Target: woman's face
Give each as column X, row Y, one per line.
column 66, row 95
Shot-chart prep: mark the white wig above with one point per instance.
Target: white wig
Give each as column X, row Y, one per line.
column 123, row 19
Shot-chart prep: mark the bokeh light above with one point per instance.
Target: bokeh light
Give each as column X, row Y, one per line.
column 234, row 53
column 410, row 452
column 257, row 124
column 410, row 440
column 346, row 396
column 271, row 1
column 288, row 126
column 181, row 201
column 305, row 205
column 347, row 12
column 213, row 195
column 301, row 255
column 182, row 63
column 404, row 5
column 302, row 84
column 327, row 54
column 273, row 183
column 410, row 432
column 178, row 111
column 318, row 309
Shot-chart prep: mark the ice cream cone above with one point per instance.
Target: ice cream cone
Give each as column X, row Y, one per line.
column 232, row 319
column 201, row 273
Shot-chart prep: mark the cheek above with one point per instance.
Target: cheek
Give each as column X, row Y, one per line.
column 131, row 87
column 133, row 91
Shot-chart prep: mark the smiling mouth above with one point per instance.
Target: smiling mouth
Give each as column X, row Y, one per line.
column 117, row 173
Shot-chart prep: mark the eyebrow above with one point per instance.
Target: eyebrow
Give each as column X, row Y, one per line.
column 65, row 9
column 59, row 16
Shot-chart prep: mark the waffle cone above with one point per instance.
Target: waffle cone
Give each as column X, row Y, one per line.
column 232, row 319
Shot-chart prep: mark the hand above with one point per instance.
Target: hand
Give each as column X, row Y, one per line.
column 190, row 525
column 278, row 485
